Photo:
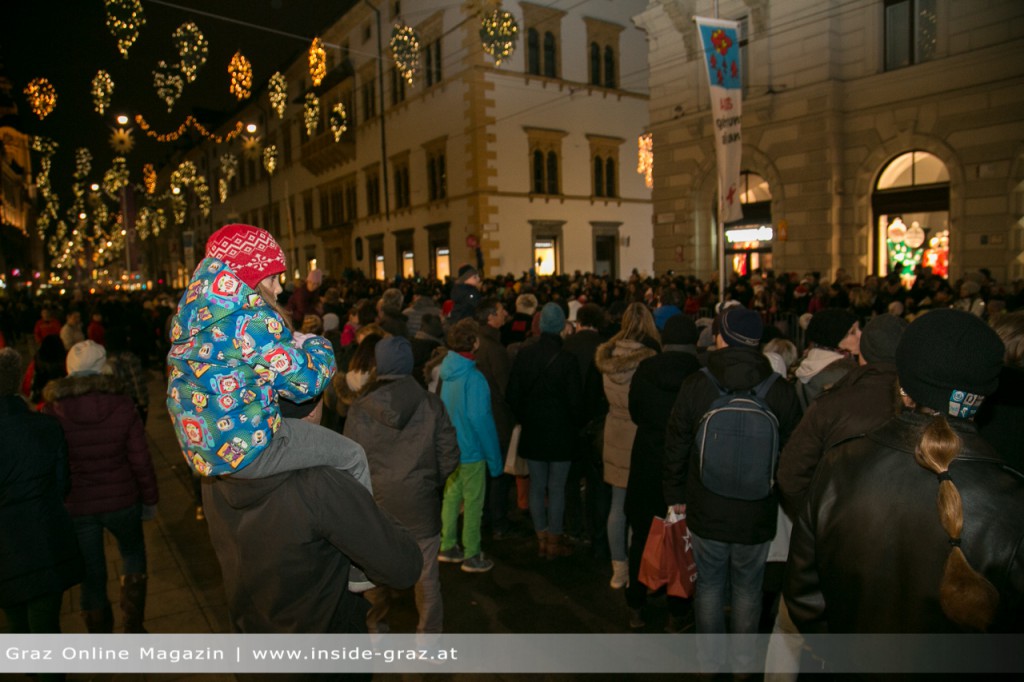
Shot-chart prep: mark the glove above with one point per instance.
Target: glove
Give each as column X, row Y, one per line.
column 148, row 512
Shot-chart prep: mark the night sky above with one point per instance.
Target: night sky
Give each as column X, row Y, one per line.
column 67, row 41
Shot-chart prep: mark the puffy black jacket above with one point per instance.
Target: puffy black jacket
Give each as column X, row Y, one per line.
column 38, row 547
column 712, row 516
column 652, row 393
column 868, row 552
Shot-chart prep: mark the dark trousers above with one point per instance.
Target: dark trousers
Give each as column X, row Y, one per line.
column 38, row 615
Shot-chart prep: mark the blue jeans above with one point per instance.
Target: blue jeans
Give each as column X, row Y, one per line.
column 548, row 478
column 126, row 527
column 617, row 528
column 719, row 566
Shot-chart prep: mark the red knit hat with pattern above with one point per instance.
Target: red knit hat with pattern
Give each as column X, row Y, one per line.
column 250, row 252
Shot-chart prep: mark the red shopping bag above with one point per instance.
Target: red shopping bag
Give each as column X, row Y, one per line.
column 667, row 560
column 681, row 569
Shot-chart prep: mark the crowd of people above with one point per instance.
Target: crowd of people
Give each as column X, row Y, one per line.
column 373, row 431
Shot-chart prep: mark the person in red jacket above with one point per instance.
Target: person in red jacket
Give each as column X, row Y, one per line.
column 46, row 325
column 113, row 485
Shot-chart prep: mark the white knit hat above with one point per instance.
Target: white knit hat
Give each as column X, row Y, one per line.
column 86, row 357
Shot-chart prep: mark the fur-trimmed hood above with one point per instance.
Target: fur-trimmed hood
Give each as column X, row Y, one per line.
column 81, row 384
column 617, row 360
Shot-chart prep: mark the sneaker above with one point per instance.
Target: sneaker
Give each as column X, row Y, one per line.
column 358, row 582
column 451, row 556
column 620, row 574
column 477, row 564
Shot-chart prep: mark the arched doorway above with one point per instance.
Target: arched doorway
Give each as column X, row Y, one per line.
column 910, row 203
column 748, row 242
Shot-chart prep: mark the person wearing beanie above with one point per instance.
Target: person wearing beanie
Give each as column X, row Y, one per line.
column 233, row 352
column 519, row 328
column 545, row 391
column 113, row 483
column 731, row 537
column 428, row 339
column 920, row 518
column 833, row 337
column 467, row 398
column 652, row 393
column 1001, row 418
column 423, row 303
column 412, row 448
column 39, row 554
column 465, row 294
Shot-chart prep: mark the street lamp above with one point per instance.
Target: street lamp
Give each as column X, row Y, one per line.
column 122, row 120
column 251, row 128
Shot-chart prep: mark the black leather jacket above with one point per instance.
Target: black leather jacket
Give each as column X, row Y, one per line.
column 868, row 551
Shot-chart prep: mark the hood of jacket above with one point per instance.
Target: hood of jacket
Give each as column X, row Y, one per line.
column 247, row 493
column 393, row 403
column 816, row 360
column 81, row 384
column 737, row 368
column 214, row 293
column 617, row 360
column 455, row 366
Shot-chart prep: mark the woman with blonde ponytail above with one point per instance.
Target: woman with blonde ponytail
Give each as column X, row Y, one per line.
column 917, row 526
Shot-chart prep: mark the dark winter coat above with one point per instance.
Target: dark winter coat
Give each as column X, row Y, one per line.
column 1001, row 417
column 411, row 448
column 712, row 516
column 617, row 361
column 868, row 552
column 652, row 393
column 38, row 547
column 464, row 301
column 546, row 395
column 269, row 532
column 583, row 346
column 862, row 401
column 493, row 362
column 110, row 464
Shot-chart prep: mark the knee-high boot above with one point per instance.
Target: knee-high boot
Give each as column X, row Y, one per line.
column 133, row 601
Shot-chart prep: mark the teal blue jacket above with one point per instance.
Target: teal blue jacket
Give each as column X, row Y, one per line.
column 231, row 357
column 467, row 398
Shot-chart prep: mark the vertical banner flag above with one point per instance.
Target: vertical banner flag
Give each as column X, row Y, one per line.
column 720, row 46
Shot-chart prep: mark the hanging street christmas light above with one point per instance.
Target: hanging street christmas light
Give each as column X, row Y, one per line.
column 498, row 34
column 270, row 158
column 192, row 48
column 124, row 19
column 83, row 163
column 102, row 89
column 645, row 158
column 42, row 97
column 149, row 178
column 317, row 61
column 338, row 120
column 405, row 50
column 240, row 70
column 277, row 91
column 311, row 113
column 168, row 83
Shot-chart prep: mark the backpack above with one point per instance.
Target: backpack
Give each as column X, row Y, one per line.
column 738, row 442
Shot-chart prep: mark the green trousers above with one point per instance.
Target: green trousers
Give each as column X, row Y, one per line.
column 465, row 488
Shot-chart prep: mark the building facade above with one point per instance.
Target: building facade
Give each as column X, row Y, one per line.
column 530, row 164
column 877, row 135
column 16, row 207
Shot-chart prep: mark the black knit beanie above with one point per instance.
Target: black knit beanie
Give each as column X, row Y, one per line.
column 880, row 337
column 949, row 360
column 828, row 327
column 740, row 327
column 679, row 330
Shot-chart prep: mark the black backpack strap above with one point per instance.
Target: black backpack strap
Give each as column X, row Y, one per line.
column 714, row 382
column 761, row 390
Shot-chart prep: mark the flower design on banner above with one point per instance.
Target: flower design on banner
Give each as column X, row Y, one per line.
column 722, row 42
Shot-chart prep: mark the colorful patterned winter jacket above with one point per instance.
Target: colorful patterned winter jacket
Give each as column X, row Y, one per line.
column 231, row 357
